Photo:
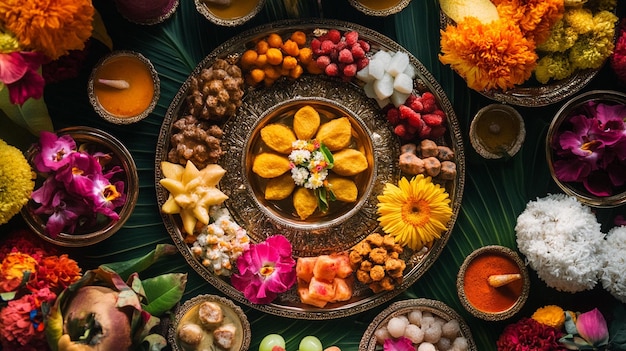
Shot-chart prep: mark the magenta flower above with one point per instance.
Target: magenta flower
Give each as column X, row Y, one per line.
column 592, row 327
column 19, row 71
column 53, row 151
column 266, row 269
column 592, row 150
column 400, row 344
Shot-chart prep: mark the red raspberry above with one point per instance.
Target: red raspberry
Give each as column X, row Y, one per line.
column 351, row 37
column 332, row 70
column 400, row 130
column 365, row 45
column 361, row 63
column 316, row 46
column 415, row 119
column 323, row 61
column 437, row 131
column 345, row 56
column 405, row 111
column 334, row 35
column 432, row 119
column 393, row 116
column 424, row 133
column 349, row 70
column 327, row 47
column 357, row 51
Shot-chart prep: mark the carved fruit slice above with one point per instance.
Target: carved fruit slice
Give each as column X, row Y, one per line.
column 278, row 137
column 306, row 121
column 270, row 165
column 305, row 202
column 336, row 134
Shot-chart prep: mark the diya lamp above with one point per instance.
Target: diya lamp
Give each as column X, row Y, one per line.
column 497, row 131
column 493, row 283
column 379, row 8
column 146, row 11
column 124, row 87
column 229, row 13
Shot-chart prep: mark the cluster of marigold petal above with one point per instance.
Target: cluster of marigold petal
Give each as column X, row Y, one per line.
column 500, row 54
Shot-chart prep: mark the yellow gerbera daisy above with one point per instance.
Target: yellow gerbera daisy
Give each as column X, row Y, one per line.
column 52, row 27
column 415, row 212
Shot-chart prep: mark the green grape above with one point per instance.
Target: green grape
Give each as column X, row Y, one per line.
column 271, row 340
column 310, row 343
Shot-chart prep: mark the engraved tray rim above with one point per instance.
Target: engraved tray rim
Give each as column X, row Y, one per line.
column 427, row 81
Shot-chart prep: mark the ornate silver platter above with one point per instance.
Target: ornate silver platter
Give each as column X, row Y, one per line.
column 351, row 223
column 535, row 94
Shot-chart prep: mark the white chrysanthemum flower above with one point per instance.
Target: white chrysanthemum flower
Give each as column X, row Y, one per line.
column 561, row 239
column 299, row 175
column 614, row 257
column 299, row 157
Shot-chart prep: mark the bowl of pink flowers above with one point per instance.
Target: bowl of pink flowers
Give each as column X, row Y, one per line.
column 586, row 148
column 86, row 186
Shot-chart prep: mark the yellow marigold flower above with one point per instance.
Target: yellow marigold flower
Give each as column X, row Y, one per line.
column 534, row 17
column 16, row 181
column 551, row 315
column 488, row 56
column 415, row 212
column 52, row 27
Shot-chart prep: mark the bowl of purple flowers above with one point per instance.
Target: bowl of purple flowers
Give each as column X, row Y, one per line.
column 86, row 187
column 586, row 148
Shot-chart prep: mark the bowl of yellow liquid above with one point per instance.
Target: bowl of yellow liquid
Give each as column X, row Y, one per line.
column 379, row 8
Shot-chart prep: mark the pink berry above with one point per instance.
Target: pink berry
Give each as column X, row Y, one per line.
column 334, row 35
column 352, row 37
column 345, row 56
column 332, row 70
column 350, row 70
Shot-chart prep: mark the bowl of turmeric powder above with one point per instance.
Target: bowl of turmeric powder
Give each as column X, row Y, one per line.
column 493, row 283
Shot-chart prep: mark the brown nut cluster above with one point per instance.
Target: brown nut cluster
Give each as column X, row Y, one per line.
column 429, row 159
column 377, row 263
column 215, row 94
column 195, row 140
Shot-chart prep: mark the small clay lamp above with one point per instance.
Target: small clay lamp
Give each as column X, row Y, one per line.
column 124, row 87
column 146, row 12
column 497, row 131
column 493, row 283
column 229, row 13
column 380, row 8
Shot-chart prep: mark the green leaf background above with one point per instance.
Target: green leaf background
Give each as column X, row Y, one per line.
column 496, row 191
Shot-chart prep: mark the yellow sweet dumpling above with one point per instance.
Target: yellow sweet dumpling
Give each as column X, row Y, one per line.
column 279, row 188
column 306, row 121
column 278, row 137
column 344, row 189
column 305, row 202
column 335, row 134
column 270, row 165
column 349, row 162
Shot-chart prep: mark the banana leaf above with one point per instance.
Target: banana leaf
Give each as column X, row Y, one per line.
column 496, row 191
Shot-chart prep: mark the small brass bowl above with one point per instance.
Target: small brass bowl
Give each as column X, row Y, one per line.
column 559, row 124
column 497, row 131
column 124, row 105
column 370, row 342
column 187, row 316
column 516, row 292
column 380, row 8
column 235, row 14
column 97, row 140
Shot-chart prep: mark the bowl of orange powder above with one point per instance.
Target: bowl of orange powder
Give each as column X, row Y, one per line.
column 493, row 283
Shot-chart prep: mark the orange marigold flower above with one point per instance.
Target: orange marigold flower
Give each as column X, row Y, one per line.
column 12, row 270
column 488, row 56
column 534, row 17
column 58, row 271
column 52, row 27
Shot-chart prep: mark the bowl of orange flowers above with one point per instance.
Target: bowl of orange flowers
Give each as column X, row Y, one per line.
column 530, row 53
